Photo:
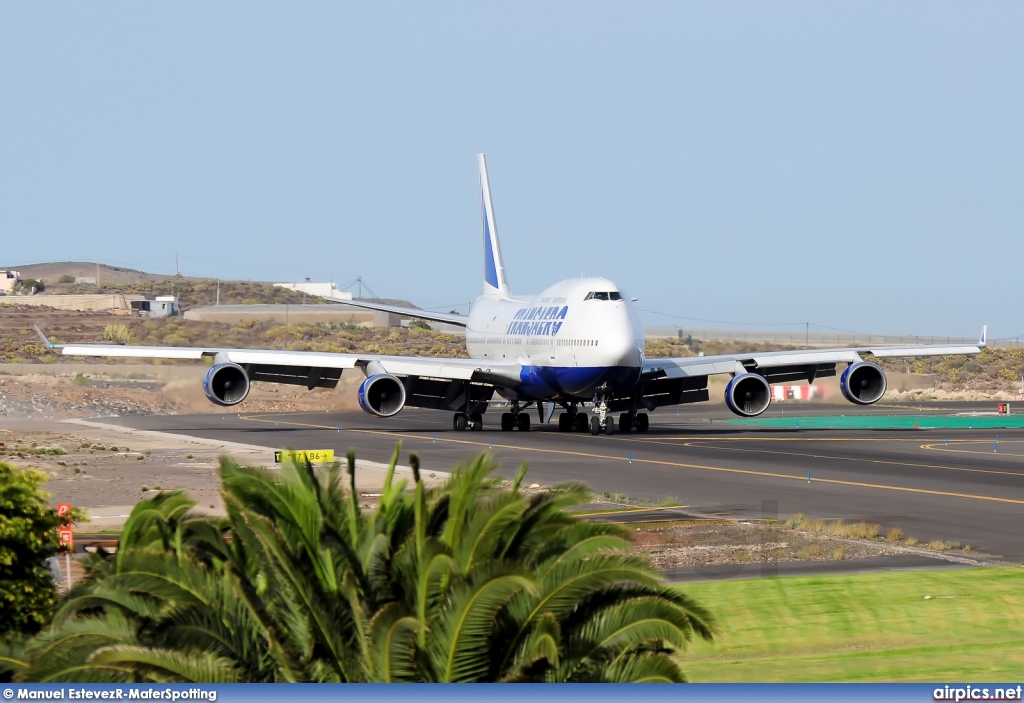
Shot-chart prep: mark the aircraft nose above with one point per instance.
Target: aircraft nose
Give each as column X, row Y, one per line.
column 620, row 345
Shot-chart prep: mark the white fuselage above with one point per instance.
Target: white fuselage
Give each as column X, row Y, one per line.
column 570, row 339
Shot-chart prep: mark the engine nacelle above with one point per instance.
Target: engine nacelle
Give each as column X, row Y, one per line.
column 748, row 395
column 863, row 383
column 382, row 395
column 226, row 384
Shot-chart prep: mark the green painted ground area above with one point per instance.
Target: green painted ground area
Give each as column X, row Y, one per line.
column 885, row 422
column 865, row 627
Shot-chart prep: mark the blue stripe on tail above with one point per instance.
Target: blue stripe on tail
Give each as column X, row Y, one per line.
column 490, row 269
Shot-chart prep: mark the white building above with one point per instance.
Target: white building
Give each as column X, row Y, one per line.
column 326, row 290
column 9, row 279
column 161, row 306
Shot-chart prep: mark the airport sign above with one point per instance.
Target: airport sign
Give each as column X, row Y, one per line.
column 313, row 456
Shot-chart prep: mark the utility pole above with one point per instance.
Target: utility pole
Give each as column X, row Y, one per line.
column 807, row 333
column 218, row 291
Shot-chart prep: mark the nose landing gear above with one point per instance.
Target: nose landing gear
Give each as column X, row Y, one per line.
column 603, row 420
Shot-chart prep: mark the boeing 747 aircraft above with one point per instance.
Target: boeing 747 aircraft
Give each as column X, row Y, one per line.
column 578, row 345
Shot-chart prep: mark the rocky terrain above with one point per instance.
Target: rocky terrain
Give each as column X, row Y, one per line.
column 60, row 397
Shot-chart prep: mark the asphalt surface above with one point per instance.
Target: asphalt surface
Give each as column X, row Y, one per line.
column 970, row 490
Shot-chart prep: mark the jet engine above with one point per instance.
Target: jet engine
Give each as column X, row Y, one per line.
column 226, row 384
column 382, row 395
column 863, row 383
column 748, row 394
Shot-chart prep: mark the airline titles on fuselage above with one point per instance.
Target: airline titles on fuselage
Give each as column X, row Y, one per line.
column 538, row 321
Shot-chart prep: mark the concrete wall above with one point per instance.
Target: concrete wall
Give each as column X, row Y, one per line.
column 107, row 301
column 293, row 314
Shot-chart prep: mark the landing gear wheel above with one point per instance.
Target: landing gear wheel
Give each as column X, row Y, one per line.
column 595, row 426
column 625, row 422
column 580, row 423
column 478, row 422
column 523, row 422
column 609, row 425
column 643, row 423
column 564, row 422
column 508, row 421
column 459, row 422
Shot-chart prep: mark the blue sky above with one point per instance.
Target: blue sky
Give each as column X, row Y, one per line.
column 855, row 165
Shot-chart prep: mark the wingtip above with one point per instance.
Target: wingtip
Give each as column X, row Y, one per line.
column 46, row 342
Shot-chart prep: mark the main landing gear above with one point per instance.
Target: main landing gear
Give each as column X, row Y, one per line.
column 468, row 421
column 573, row 420
column 515, row 420
column 634, row 421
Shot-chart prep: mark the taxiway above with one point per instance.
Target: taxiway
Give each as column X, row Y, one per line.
column 949, row 485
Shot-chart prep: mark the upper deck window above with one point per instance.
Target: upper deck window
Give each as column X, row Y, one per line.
column 603, row 295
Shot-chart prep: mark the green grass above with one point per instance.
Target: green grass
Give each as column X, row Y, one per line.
column 865, row 627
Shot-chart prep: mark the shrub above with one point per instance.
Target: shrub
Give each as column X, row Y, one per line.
column 117, row 333
column 464, row 582
column 28, row 533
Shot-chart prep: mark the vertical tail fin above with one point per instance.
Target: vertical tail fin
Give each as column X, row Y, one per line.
column 494, row 269
column 983, row 341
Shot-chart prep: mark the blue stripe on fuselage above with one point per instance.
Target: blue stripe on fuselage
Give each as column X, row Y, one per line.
column 572, row 382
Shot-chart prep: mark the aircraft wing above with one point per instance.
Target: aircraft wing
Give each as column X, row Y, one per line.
column 448, row 318
column 314, row 369
column 801, row 364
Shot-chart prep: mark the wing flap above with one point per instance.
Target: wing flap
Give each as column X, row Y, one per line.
column 309, row 376
column 789, row 364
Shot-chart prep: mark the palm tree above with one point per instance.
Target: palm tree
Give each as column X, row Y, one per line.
column 469, row 581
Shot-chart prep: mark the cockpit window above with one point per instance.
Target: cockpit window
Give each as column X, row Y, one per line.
column 603, row 295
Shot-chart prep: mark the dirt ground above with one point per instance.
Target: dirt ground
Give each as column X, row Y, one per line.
column 106, row 469
column 96, row 395
column 712, row 542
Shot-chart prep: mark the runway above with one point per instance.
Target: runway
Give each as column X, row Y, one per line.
column 959, row 485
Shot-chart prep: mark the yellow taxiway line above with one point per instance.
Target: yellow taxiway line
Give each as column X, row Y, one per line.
column 657, row 462
column 856, row 459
